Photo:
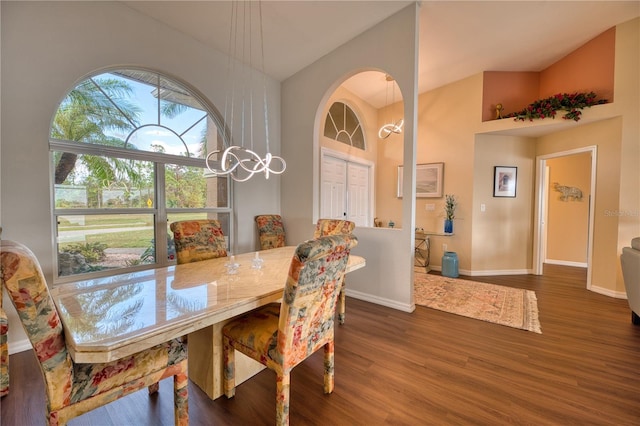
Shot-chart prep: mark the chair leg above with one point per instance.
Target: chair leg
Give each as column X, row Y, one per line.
column 52, row 419
column 181, row 398
column 229, row 368
column 154, row 388
column 342, row 306
column 328, row 367
column 283, row 385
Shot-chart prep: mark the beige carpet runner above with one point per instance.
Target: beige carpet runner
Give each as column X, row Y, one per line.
column 513, row 307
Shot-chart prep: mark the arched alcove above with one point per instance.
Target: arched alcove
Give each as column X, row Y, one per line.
column 356, row 167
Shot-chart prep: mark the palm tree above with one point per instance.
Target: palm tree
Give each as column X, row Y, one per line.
column 87, row 112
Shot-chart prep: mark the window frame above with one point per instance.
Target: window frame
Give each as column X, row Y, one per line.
column 347, row 108
column 160, row 211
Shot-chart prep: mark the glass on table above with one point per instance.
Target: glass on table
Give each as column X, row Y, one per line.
column 257, row 262
column 232, row 266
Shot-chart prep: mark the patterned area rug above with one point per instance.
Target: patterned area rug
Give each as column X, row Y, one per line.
column 513, row 307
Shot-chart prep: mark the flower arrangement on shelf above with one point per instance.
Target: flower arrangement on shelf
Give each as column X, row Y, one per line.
column 572, row 103
column 450, row 204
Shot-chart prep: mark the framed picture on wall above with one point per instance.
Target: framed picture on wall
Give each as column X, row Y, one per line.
column 429, row 179
column 505, row 181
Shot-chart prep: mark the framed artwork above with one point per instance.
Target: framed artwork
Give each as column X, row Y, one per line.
column 429, row 179
column 505, row 181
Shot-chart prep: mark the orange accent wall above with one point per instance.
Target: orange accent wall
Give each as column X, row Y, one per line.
column 514, row 90
column 588, row 68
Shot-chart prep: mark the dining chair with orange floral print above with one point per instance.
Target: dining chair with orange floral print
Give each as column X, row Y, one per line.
column 197, row 240
column 336, row 227
column 270, row 231
column 73, row 388
column 282, row 335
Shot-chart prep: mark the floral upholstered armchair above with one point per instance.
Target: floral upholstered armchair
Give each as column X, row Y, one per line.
column 280, row 336
column 4, row 349
column 326, row 227
column 197, row 240
column 270, row 231
column 336, row 227
column 74, row 389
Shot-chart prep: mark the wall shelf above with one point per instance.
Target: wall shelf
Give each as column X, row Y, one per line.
column 545, row 126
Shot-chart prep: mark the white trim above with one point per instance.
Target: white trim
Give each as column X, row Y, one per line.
column 497, row 272
column 608, row 292
column 380, row 301
column 486, row 273
column 347, row 157
column 327, row 152
column 539, row 225
column 566, row 263
column 19, row 346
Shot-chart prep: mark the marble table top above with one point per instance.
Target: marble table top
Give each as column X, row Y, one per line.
column 112, row 317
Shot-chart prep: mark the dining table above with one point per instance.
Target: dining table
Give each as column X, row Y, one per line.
column 112, row 317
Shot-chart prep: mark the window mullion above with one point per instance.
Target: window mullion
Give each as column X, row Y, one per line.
column 161, row 232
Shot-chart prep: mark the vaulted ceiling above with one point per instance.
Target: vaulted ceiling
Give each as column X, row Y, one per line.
column 457, row 38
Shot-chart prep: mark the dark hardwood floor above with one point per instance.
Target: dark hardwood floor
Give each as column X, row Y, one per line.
column 422, row 368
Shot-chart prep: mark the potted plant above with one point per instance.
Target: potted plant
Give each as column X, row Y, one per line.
column 450, row 205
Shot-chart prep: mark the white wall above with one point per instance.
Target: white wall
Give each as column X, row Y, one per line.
column 390, row 46
column 47, row 47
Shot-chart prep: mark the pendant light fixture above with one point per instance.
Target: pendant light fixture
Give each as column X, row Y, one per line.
column 392, row 127
column 241, row 162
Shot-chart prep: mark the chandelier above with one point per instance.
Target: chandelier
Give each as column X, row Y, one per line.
column 392, row 127
column 241, row 162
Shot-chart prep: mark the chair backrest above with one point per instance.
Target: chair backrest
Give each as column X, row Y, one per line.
column 309, row 299
column 197, row 240
column 270, row 231
column 27, row 289
column 326, row 227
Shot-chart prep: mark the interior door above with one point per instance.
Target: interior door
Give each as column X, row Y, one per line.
column 333, row 189
column 358, row 194
column 345, row 190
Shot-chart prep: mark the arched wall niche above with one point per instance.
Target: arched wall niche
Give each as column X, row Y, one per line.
column 375, row 99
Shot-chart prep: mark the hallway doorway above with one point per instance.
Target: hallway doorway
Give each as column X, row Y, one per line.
column 565, row 194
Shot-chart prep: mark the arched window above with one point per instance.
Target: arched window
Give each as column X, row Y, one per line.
column 128, row 150
column 342, row 124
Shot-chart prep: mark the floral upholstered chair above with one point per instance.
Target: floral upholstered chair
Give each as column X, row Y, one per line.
column 197, row 240
column 74, row 389
column 4, row 347
column 4, row 350
column 280, row 336
column 270, row 231
column 336, row 227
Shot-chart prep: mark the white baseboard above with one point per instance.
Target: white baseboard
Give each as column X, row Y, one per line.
column 496, row 272
column 19, row 346
column 487, row 273
column 607, row 292
column 566, row 263
column 380, row 301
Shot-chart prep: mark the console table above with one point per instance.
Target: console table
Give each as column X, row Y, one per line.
column 423, row 251
column 423, row 248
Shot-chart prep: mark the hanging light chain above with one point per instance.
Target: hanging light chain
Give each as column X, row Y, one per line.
column 393, row 127
column 240, row 162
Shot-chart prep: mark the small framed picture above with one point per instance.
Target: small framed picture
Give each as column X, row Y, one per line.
column 505, row 181
column 429, row 179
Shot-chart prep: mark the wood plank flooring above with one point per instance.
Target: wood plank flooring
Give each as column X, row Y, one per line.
column 422, row 368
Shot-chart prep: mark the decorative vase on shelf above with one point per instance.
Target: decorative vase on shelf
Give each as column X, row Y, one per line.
column 448, row 226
